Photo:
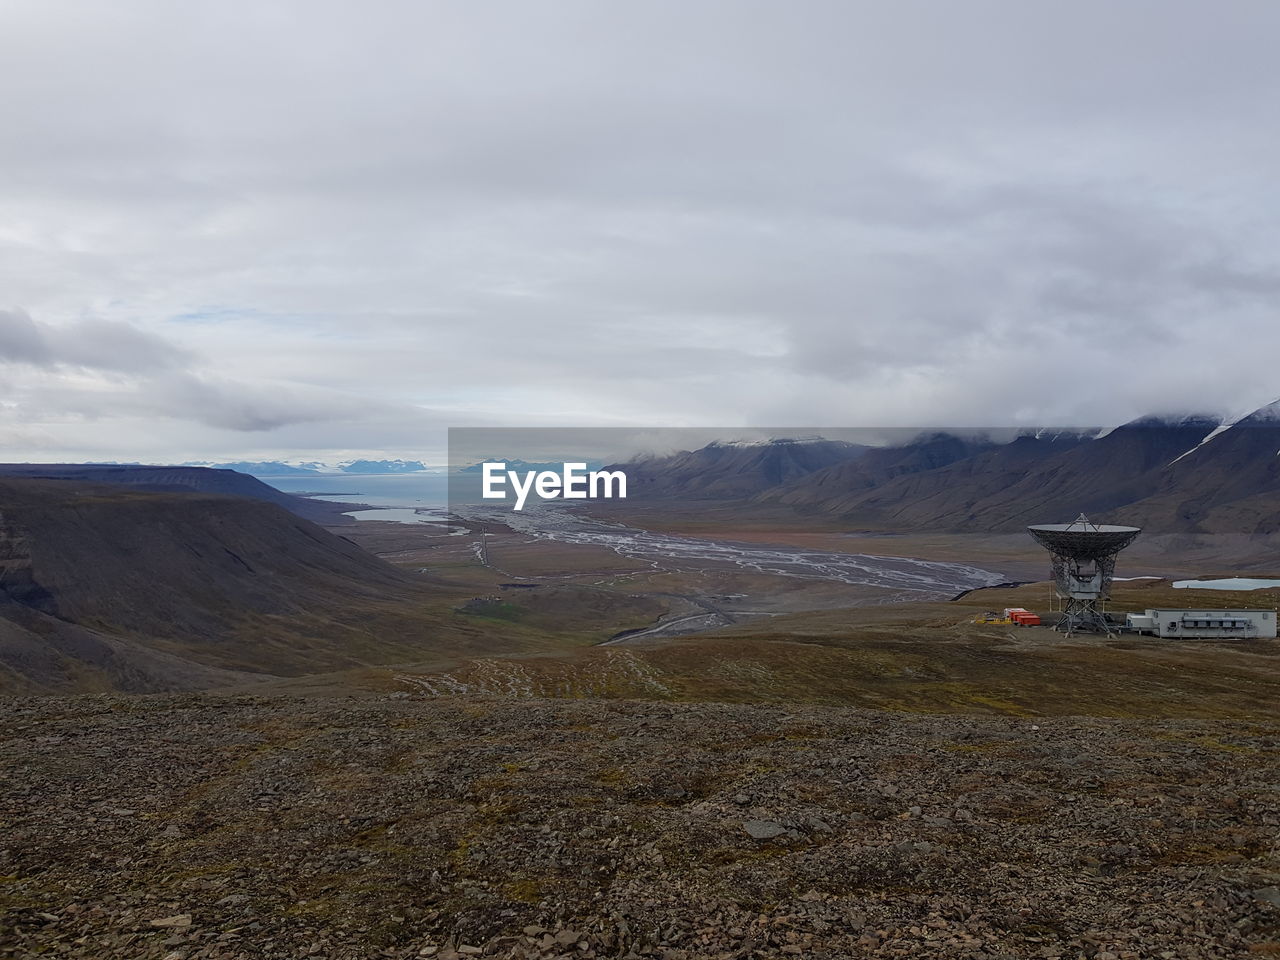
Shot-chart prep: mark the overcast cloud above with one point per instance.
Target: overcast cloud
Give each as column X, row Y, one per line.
column 321, row 229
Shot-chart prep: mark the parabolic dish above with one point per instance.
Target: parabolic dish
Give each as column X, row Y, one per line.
column 1091, row 542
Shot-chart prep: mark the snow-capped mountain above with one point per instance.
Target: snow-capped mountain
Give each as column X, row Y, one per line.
column 1190, row 472
column 281, row 468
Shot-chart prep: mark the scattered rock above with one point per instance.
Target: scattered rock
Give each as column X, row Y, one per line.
column 348, row 829
column 764, row 829
column 178, row 920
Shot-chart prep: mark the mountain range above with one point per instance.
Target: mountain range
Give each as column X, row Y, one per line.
column 524, row 466
column 1183, row 474
column 736, row 470
column 281, row 468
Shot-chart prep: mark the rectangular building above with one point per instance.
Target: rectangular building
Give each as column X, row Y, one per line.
column 1205, row 624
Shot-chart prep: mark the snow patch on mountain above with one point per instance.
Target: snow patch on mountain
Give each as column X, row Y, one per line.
column 1208, row 436
column 1264, row 414
column 1267, row 414
column 291, row 468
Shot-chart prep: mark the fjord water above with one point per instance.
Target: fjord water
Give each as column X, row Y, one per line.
column 1228, row 583
column 424, row 490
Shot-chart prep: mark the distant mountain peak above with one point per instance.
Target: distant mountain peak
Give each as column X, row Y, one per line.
column 1176, row 420
column 382, row 466
column 1268, row 413
column 1061, row 433
column 774, row 441
column 286, row 468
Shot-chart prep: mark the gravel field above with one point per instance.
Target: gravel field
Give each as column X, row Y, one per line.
column 184, row 827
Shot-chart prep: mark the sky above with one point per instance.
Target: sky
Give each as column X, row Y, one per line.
column 317, row 230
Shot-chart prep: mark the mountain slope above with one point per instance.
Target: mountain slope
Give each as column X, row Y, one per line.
column 97, row 581
column 41, row 654
column 842, row 487
column 730, row 470
column 1228, row 481
column 1033, row 478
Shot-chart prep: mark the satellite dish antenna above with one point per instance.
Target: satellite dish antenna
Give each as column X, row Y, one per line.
column 1084, row 563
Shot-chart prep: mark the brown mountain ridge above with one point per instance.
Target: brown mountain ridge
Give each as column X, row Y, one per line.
column 1189, row 474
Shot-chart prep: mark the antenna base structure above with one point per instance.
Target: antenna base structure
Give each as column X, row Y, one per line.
column 1084, row 563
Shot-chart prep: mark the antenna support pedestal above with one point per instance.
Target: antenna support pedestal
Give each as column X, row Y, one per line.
column 1084, row 563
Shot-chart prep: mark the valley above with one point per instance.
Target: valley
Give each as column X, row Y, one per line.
column 242, row 727
column 777, row 637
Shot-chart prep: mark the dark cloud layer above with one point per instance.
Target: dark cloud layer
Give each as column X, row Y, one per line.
column 90, row 344
column 103, row 369
column 288, row 227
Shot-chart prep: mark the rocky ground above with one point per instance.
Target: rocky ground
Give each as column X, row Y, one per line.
column 188, row 827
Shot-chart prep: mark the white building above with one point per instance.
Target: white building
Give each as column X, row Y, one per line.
column 1204, row 624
